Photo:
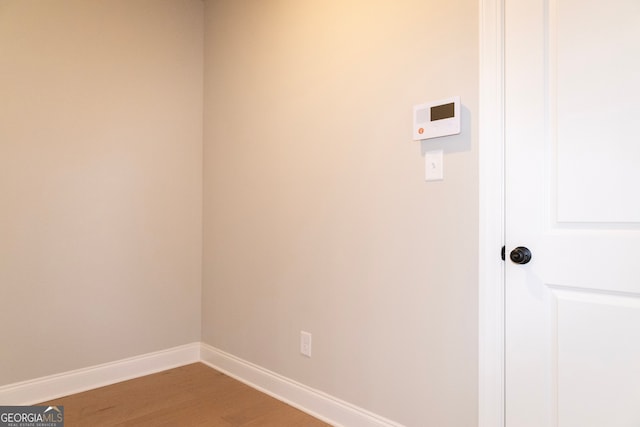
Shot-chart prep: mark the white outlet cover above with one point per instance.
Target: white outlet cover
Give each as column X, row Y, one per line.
column 305, row 343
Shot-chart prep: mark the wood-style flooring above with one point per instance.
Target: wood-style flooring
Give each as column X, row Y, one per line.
column 192, row 395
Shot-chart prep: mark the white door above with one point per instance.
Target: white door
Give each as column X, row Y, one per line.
column 572, row 99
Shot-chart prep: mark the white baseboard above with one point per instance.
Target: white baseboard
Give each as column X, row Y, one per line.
column 316, row 403
column 54, row 386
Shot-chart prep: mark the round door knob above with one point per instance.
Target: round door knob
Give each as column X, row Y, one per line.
column 520, row 255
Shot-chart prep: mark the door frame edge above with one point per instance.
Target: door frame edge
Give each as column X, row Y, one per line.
column 491, row 280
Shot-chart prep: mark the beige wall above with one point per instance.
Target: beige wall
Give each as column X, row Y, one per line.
column 317, row 216
column 100, row 181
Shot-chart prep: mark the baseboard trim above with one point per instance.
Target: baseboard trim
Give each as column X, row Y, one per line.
column 316, row 403
column 55, row 386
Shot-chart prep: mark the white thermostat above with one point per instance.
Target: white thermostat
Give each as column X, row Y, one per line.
column 434, row 119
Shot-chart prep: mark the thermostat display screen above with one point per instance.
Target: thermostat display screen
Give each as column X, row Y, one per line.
column 439, row 112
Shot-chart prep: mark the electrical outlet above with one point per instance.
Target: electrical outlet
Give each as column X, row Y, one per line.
column 305, row 343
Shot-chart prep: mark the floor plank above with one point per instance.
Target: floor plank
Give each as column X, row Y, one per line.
column 192, row 395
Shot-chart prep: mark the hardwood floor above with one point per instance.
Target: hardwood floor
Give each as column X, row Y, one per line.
column 192, row 395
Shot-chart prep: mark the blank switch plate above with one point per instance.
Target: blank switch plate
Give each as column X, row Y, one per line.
column 433, row 163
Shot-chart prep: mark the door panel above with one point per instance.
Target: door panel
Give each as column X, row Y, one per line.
column 593, row 67
column 598, row 338
column 572, row 97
